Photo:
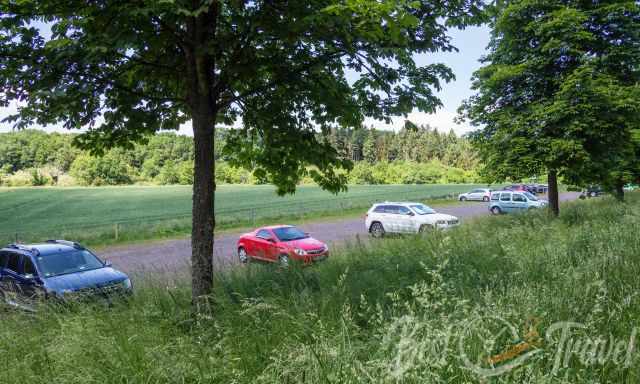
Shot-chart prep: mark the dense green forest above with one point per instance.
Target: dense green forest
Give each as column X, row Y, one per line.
column 413, row 155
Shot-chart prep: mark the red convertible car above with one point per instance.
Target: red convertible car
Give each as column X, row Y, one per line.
column 280, row 243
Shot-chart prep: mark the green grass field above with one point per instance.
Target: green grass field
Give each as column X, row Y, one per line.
column 91, row 214
column 434, row 309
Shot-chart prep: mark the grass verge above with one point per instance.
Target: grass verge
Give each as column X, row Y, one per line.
column 409, row 310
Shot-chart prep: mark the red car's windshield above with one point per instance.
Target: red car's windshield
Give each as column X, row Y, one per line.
column 289, row 234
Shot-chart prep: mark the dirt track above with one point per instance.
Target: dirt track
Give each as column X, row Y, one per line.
column 171, row 255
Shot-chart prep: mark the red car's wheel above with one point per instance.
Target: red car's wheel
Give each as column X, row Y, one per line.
column 485, row 199
column 242, row 255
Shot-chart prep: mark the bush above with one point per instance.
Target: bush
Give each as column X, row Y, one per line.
column 5, row 171
column 169, row 173
column 108, row 170
column 361, row 174
column 38, row 179
column 185, row 172
column 228, row 174
column 20, row 178
column 66, row 180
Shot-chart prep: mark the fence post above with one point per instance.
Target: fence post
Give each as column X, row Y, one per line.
column 116, row 230
column 16, row 238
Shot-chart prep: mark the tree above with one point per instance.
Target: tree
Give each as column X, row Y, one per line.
column 369, row 147
column 558, row 92
column 126, row 70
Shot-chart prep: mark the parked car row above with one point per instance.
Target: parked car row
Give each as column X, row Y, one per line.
column 64, row 270
column 484, row 194
column 284, row 243
column 512, row 198
column 533, row 189
column 59, row 269
column 596, row 190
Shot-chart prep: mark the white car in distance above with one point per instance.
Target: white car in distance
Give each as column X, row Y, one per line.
column 478, row 194
column 405, row 217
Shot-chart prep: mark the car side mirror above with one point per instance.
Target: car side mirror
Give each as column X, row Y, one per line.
column 271, row 240
column 411, row 214
column 107, row 263
column 29, row 276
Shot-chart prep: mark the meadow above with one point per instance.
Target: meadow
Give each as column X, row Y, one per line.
column 110, row 214
column 404, row 310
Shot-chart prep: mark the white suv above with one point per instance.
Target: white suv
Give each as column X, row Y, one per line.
column 405, row 218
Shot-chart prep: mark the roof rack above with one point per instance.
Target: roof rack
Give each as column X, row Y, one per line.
column 67, row 243
column 22, row 247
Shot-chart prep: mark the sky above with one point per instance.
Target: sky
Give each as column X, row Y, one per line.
column 471, row 43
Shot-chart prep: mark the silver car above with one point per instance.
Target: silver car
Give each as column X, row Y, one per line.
column 478, row 194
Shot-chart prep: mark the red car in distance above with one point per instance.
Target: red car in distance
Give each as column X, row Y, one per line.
column 280, row 243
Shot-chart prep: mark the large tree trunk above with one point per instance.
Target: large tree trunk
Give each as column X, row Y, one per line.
column 202, row 102
column 203, row 222
column 554, row 200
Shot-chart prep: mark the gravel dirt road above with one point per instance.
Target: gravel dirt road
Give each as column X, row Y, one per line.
column 173, row 255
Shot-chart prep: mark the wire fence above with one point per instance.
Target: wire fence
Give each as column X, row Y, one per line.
column 139, row 228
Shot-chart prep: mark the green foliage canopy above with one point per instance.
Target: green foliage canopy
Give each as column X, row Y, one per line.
column 127, row 70
column 560, row 90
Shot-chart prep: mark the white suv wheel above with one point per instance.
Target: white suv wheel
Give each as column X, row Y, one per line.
column 377, row 230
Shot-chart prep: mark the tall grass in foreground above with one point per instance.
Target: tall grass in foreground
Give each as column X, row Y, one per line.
column 403, row 310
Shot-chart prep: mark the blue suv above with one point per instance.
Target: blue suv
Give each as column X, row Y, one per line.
column 55, row 269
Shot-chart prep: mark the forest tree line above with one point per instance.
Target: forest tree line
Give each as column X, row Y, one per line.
column 413, row 155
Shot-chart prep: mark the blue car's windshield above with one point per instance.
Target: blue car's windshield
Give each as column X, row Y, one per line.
column 530, row 196
column 67, row 262
column 289, row 233
column 422, row 209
